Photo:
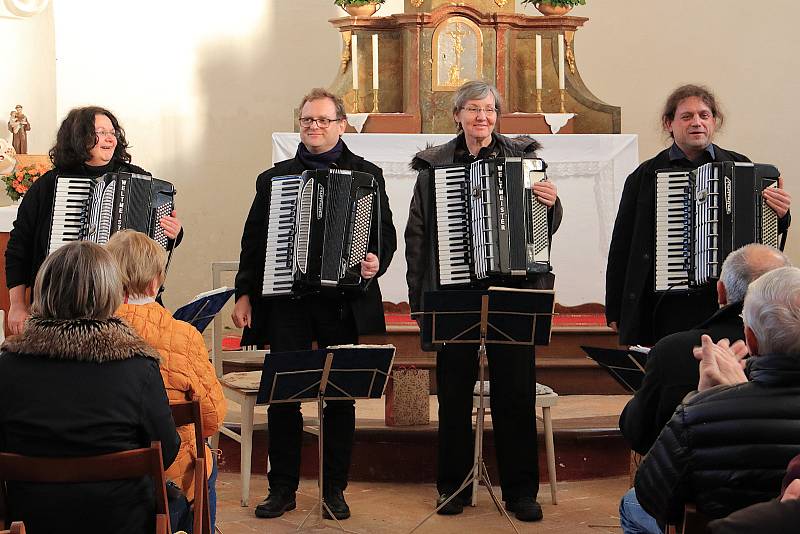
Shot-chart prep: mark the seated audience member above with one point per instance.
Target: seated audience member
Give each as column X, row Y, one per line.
column 80, row 382
column 672, row 370
column 727, row 445
column 777, row 516
column 185, row 366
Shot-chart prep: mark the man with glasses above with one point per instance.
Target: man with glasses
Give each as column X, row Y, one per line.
column 291, row 323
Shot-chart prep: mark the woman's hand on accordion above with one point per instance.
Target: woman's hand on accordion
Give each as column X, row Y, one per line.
column 171, row 225
column 370, row 266
column 778, row 198
column 242, row 312
column 546, row 192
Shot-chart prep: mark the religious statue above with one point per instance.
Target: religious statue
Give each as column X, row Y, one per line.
column 19, row 127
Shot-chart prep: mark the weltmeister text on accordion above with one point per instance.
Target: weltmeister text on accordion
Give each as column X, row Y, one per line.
column 489, row 224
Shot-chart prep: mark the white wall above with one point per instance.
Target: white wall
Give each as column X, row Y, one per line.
column 200, row 86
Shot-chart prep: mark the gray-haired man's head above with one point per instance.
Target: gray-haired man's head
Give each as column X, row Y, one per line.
column 772, row 313
column 743, row 266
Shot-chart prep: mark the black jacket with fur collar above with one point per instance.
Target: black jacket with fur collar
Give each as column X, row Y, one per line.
column 79, row 388
column 419, row 246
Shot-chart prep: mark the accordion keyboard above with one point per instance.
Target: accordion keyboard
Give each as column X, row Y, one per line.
column 278, row 268
column 452, row 222
column 671, row 231
column 68, row 205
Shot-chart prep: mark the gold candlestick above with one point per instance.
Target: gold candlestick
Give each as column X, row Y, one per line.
column 375, row 101
column 563, row 99
column 355, row 100
column 538, row 101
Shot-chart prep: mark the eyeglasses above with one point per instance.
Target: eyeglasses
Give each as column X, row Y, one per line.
column 472, row 110
column 306, row 122
column 106, row 133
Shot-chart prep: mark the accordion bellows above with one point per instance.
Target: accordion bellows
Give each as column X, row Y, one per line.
column 319, row 228
column 92, row 209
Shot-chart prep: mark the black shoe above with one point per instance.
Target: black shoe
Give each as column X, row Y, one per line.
column 334, row 499
column 277, row 502
column 525, row 509
column 454, row 507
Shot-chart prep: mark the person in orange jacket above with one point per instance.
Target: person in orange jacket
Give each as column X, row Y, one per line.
column 185, row 366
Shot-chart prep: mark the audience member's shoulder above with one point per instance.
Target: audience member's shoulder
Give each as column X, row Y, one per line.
column 677, row 344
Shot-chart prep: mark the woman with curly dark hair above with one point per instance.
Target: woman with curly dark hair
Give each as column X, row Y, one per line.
column 90, row 142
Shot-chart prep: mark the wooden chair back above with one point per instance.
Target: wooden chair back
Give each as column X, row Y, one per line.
column 186, row 413
column 105, row 467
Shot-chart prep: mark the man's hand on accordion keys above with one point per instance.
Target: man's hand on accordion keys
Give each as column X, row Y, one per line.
column 778, row 198
column 171, row 225
column 546, row 192
column 370, row 266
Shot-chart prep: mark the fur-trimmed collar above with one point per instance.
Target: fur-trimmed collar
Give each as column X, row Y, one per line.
column 82, row 340
column 433, row 156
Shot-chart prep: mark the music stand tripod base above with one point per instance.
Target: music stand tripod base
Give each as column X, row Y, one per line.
column 537, row 332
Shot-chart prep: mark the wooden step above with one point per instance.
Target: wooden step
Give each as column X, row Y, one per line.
column 588, row 444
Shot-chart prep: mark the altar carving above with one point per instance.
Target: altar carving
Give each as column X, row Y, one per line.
column 435, row 45
column 459, row 53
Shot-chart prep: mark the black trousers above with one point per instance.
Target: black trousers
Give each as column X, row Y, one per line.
column 294, row 325
column 513, row 401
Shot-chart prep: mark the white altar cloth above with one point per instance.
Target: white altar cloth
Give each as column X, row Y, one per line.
column 589, row 170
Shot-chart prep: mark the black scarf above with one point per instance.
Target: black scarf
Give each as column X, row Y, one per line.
column 319, row 161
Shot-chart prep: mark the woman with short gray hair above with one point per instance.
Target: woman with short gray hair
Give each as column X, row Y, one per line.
column 477, row 106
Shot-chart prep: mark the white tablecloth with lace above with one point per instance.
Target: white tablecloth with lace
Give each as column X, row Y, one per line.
column 589, row 170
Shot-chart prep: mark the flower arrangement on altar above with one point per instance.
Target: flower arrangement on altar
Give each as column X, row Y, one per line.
column 21, row 179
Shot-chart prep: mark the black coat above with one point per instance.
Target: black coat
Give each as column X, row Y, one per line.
column 367, row 308
column 630, row 298
column 420, row 250
column 771, row 517
column 727, row 447
column 671, row 373
column 82, row 388
column 27, row 246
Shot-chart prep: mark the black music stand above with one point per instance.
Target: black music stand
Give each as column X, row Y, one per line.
column 498, row 316
column 627, row 367
column 344, row 372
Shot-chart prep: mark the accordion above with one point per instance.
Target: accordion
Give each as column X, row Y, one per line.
column 92, row 209
column 704, row 215
column 319, row 228
column 489, row 225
